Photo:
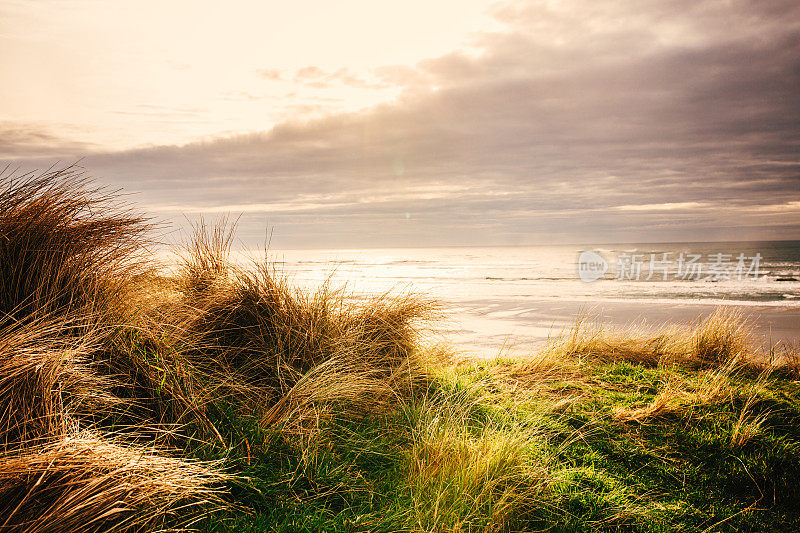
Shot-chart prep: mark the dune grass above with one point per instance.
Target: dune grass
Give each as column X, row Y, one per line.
column 220, row 398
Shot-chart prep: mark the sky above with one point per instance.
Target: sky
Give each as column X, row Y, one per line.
column 358, row 123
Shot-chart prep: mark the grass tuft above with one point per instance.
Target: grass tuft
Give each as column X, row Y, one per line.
column 721, row 338
column 84, row 482
column 65, row 246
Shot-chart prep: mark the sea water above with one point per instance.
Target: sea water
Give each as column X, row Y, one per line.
column 497, row 297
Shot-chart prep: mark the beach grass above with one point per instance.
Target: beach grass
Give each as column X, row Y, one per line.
column 218, row 397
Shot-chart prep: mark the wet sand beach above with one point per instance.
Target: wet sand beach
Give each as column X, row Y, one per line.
column 488, row 327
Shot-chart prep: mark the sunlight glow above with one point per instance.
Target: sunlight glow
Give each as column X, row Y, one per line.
column 131, row 73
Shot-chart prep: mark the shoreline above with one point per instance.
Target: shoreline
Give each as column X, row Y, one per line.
column 514, row 328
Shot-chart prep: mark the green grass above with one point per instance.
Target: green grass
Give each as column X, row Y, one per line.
column 220, row 398
column 473, row 454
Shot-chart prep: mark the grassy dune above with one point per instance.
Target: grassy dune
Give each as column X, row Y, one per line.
column 220, row 398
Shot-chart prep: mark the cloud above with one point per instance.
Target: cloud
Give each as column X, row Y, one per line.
column 581, row 121
column 169, row 109
column 662, row 207
column 20, row 140
column 162, row 111
column 317, row 78
column 270, row 74
column 309, row 73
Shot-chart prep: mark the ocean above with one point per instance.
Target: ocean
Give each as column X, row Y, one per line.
column 514, row 298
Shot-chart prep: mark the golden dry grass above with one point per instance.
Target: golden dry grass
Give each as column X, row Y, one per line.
column 286, row 351
column 722, row 337
column 65, row 246
column 85, row 482
column 69, row 264
column 90, row 333
column 718, row 348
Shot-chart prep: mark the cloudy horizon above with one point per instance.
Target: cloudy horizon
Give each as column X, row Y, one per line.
column 478, row 123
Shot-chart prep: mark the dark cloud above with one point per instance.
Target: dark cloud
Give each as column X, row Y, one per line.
column 555, row 129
